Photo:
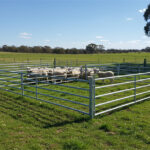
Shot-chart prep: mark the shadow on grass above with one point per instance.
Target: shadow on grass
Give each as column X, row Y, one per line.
column 36, row 114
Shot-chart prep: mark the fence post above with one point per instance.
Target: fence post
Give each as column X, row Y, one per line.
column 36, row 88
column 145, row 62
column 54, row 63
column 118, row 69
column 91, row 97
column 135, row 87
column 81, row 70
column 22, row 87
column 86, row 72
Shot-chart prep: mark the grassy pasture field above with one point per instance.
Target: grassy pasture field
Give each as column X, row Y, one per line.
column 6, row 57
column 29, row 124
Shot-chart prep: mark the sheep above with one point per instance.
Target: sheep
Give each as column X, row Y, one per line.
column 58, row 72
column 36, row 72
column 86, row 73
column 73, row 72
column 105, row 74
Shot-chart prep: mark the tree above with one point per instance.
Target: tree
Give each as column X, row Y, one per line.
column 147, row 18
column 93, row 48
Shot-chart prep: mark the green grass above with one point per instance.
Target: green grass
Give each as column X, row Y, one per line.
column 28, row 124
column 76, row 59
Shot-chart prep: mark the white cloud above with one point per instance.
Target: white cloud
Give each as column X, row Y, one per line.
column 99, row 37
column 133, row 41
column 142, row 10
column 104, row 40
column 129, row 19
column 144, row 37
column 147, row 42
column 25, row 35
column 46, row 41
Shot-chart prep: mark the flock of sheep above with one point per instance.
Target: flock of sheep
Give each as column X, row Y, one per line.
column 67, row 72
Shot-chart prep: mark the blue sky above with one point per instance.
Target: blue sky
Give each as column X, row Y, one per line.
column 73, row 23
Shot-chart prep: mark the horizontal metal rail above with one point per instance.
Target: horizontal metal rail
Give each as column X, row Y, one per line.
column 68, row 86
column 62, row 92
column 110, row 85
column 129, row 75
column 58, row 104
column 127, row 104
column 10, row 91
column 63, row 99
column 10, row 81
column 6, row 76
column 17, row 72
column 139, row 87
column 34, row 92
column 4, row 85
column 122, row 98
column 121, row 91
column 114, row 92
column 108, row 102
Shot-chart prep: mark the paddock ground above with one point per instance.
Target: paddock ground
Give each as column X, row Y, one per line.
column 29, row 124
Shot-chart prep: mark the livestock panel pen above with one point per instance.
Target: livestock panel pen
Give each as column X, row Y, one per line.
column 89, row 97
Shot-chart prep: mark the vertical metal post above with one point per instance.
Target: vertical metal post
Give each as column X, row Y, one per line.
column 145, row 62
column 54, row 63
column 81, row 71
column 86, row 72
column 135, row 87
column 118, row 69
column 36, row 88
column 139, row 70
column 92, row 97
column 22, row 87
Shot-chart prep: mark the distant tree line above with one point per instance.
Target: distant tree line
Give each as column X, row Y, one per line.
column 90, row 49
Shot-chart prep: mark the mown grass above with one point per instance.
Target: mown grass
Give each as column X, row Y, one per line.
column 30, row 124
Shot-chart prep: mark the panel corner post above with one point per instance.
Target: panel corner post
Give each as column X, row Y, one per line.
column 91, row 97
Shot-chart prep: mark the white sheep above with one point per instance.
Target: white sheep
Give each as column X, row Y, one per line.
column 105, row 74
column 73, row 72
column 86, row 73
